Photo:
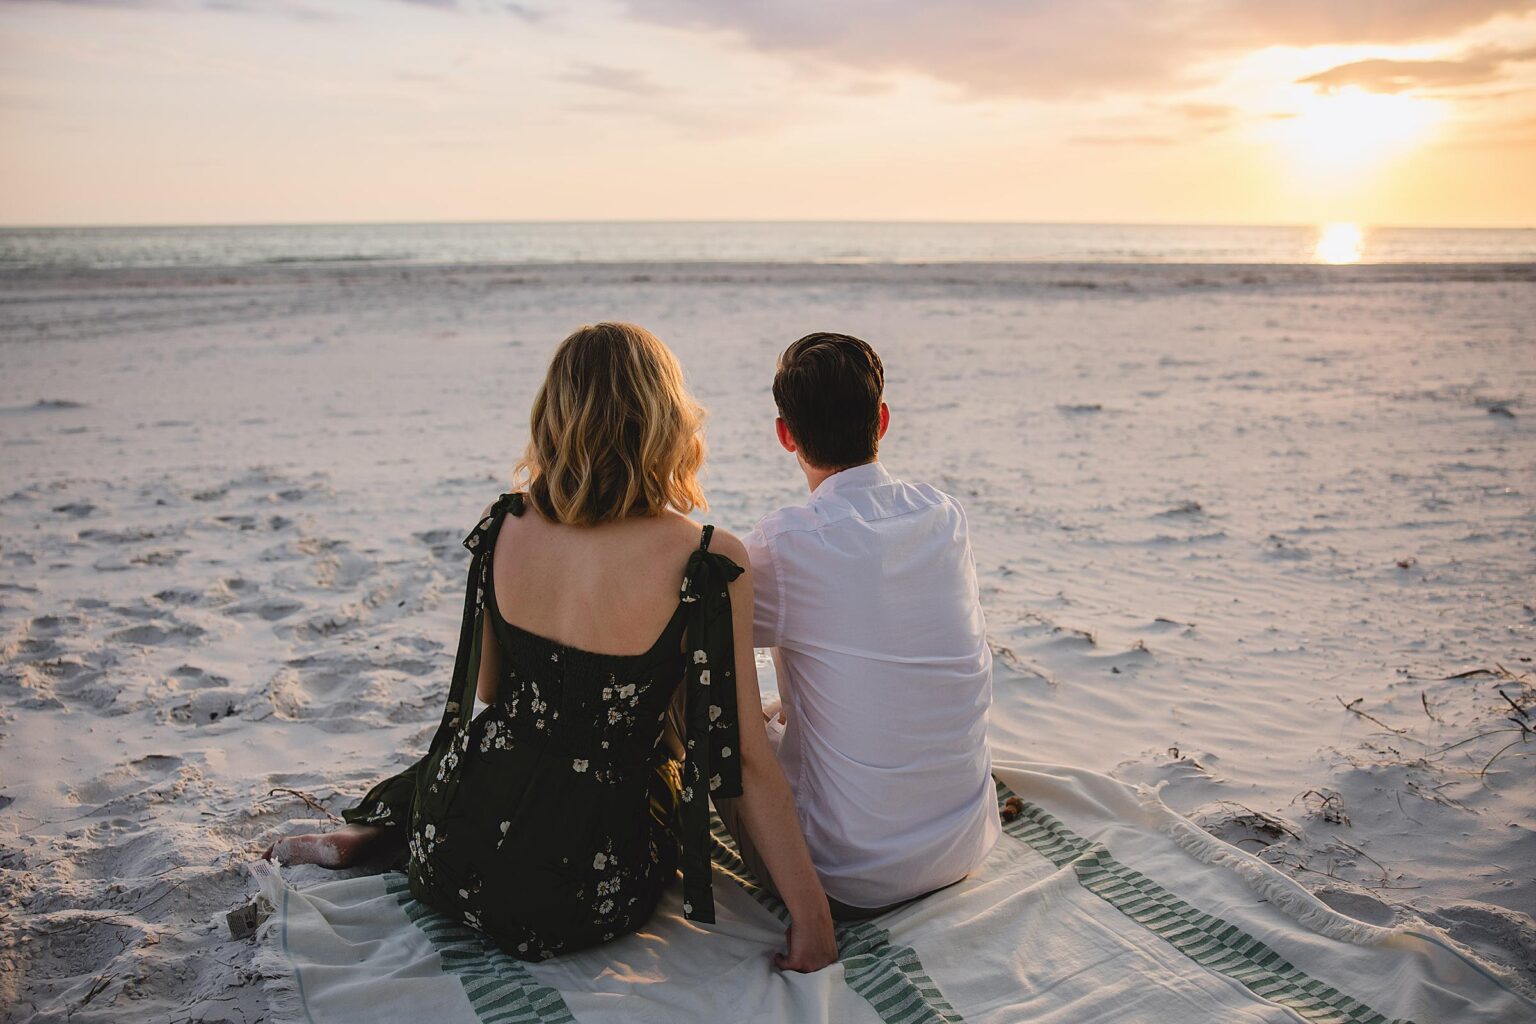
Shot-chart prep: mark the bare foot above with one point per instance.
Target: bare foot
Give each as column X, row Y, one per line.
column 346, row 847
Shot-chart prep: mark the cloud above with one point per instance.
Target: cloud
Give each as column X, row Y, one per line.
column 615, row 79
column 697, row 121
column 1392, row 76
column 1204, row 113
column 1053, row 48
column 1320, row 22
column 1170, row 124
column 520, row 10
column 1123, row 140
column 94, row 3
column 268, row 8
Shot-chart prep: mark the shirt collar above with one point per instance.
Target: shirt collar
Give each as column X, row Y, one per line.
column 854, row 478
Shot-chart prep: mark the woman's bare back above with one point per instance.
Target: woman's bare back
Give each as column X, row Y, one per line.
column 607, row 589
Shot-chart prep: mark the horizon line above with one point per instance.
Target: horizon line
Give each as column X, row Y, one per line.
column 166, row 225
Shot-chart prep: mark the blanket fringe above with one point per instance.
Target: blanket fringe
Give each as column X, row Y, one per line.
column 284, row 1002
column 1262, row 878
column 271, row 963
column 1288, row 895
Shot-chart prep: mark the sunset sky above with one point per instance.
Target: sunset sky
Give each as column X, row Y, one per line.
column 1410, row 112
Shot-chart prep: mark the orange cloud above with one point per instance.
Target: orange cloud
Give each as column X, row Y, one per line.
column 1393, row 76
column 1054, row 48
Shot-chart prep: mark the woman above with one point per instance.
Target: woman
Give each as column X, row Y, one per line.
column 610, row 638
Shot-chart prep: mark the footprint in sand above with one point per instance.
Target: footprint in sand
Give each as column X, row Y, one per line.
column 138, row 776
column 130, row 534
column 346, row 693
column 40, row 639
column 55, row 625
column 139, row 610
column 82, row 684
column 236, row 522
column 443, row 543
column 119, row 848
column 156, row 634
column 25, row 686
column 340, row 568
column 195, row 696
column 420, row 644
column 30, row 648
column 78, row 509
column 190, row 677
column 319, row 627
column 179, row 596
column 204, row 707
column 269, row 608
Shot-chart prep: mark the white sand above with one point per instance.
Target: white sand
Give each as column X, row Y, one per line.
column 229, row 538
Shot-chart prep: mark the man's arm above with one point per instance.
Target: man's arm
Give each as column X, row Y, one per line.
column 767, row 591
column 768, row 613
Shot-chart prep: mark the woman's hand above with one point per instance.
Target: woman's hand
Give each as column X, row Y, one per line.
column 812, row 946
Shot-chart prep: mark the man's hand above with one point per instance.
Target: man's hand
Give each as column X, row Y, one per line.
column 811, row 947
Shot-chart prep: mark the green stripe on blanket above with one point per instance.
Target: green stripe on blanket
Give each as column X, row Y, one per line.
column 891, row 979
column 503, row 991
column 498, row 986
column 1207, row 940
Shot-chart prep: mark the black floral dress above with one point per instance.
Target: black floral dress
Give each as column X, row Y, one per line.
column 554, row 820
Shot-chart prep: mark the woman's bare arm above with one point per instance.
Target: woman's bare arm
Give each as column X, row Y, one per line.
column 490, row 662
column 767, row 807
column 490, row 651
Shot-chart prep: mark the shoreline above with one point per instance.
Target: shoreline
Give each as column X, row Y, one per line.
column 878, row 269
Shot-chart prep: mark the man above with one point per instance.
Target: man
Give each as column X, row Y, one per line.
column 867, row 594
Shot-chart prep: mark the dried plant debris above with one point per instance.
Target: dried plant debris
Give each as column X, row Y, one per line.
column 1326, row 804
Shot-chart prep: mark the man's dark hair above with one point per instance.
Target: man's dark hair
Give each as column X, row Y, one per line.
column 828, row 389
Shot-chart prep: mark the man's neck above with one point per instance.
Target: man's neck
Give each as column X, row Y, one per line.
column 815, row 475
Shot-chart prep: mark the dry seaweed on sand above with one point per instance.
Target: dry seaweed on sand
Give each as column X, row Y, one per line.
column 1353, row 706
column 1326, row 804
column 309, row 801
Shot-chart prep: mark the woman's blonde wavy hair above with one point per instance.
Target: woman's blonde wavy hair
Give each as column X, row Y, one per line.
column 614, row 431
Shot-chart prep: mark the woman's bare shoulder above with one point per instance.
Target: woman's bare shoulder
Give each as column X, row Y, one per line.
column 685, row 530
column 674, row 531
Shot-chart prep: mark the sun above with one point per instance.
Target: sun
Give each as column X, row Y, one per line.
column 1349, row 129
column 1339, row 243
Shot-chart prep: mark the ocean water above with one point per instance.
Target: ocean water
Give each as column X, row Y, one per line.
column 774, row 242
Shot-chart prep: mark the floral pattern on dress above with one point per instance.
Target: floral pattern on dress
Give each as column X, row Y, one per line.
column 522, row 823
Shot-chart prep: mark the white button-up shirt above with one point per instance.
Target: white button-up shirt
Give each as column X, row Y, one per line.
column 868, row 593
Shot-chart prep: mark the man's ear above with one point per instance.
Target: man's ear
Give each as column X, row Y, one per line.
column 785, row 438
column 885, row 420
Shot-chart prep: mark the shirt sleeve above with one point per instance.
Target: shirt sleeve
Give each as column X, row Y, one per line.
column 767, row 595
column 970, row 553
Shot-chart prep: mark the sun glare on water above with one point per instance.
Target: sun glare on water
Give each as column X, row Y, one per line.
column 1339, row 243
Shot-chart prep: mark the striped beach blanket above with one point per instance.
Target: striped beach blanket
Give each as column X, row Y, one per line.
column 1098, row 904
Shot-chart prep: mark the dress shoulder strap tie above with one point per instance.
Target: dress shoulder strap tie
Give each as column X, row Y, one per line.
column 712, row 758
column 466, row 663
